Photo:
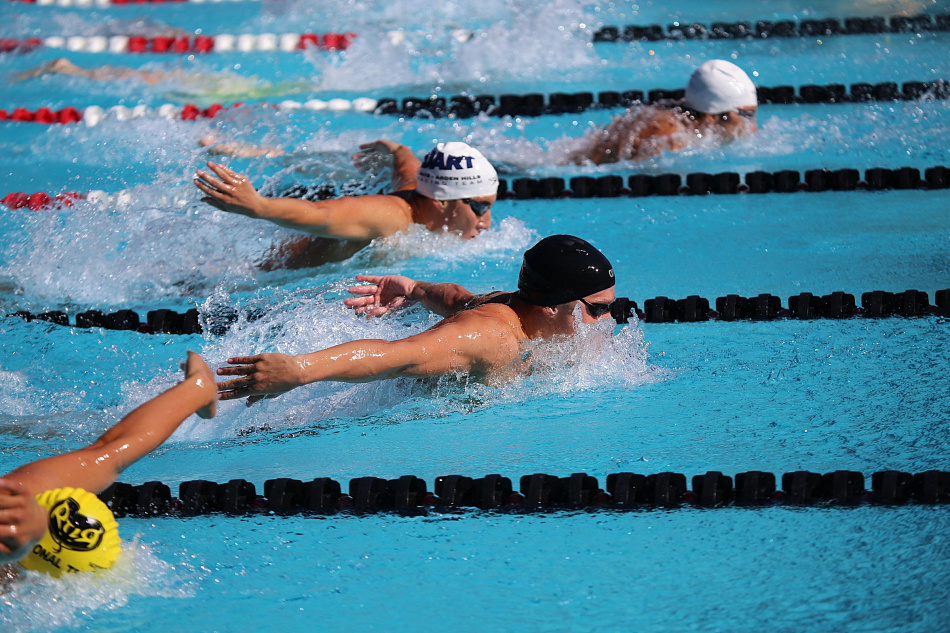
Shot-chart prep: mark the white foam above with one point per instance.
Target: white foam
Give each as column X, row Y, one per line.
column 37, row 602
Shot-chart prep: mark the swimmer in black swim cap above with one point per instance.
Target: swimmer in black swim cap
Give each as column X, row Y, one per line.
column 484, row 336
column 563, row 268
column 559, row 269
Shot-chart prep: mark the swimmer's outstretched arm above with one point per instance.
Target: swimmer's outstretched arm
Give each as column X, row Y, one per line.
column 385, row 293
column 23, row 522
column 405, row 164
column 358, row 218
column 479, row 341
column 242, row 150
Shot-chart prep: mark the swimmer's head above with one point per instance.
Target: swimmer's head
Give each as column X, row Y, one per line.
column 719, row 86
column 563, row 268
column 463, row 183
column 456, row 171
column 81, row 535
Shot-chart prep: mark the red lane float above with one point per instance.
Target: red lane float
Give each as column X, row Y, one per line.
column 40, row 200
column 105, row 3
column 248, row 42
column 92, row 115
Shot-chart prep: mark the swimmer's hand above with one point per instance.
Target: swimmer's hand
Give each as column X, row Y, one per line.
column 230, row 192
column 23, row 522
column 376, row 154
column 382, row 295
column 262, row 376
column 197, row 372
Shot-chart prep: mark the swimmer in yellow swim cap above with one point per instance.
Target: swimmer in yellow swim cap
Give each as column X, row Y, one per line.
column 50, row 517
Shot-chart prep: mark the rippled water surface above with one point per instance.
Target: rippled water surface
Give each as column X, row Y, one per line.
column 779, row 396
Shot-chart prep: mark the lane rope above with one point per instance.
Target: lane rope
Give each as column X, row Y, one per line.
column 692, row 309
column 609, row 186
column 108, row 3
column 536, row 492
column 224, row 43
column 467, row 106
column 685, row 30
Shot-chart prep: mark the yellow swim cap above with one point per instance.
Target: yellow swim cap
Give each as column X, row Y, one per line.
column 82, row 534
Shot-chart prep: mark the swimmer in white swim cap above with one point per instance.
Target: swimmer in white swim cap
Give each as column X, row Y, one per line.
column 50, row 518
column 720, row 101
column 451, row 190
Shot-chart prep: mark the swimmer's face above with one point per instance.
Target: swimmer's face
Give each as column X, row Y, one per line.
column 738, row 123
column 461, row 216
column 596, row 303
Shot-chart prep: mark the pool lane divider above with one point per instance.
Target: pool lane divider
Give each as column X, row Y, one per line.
column 92, row 115
column 467, row 106
column 108, row 3
column 676, row 30
column 537, row 492
column 583, row 187
column 692, row 309
column 183, row 44
column 537, row 104
column 765, row 29
column 725, row 183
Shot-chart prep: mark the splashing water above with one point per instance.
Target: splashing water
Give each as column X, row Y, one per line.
column 37, row 602
column 591, row 359
column 301, row 321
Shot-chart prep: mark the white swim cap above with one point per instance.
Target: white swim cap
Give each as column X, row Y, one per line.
column 719, row 86
column 453, row 171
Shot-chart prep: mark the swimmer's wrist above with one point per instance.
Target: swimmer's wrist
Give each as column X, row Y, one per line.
column 198, row 390
column 412, row 290
column 263, row 207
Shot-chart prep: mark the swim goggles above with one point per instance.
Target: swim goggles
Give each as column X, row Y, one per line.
column 480, row 208
column 597, row 310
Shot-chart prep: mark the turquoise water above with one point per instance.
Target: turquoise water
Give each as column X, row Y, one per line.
column 779, row 396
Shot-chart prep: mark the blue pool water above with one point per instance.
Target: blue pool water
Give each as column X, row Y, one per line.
column 778, row 396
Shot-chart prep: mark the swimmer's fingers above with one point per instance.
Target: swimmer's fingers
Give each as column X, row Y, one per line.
column 360, row 290
column 359, row 303
column 373, row 279
column 224, row 172
column 218, row 193
column 377, row 311
column 233, row 395
column 10, row 488
column 240, row 370
column 209, row 184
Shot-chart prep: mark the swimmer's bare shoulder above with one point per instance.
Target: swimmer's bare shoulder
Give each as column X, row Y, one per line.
column 492, row 333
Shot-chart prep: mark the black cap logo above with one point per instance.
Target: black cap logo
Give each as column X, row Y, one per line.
column 73, row 530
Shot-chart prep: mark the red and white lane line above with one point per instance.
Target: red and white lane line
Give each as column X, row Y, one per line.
column 224, row 43
column 108, row 3
column 92, row 115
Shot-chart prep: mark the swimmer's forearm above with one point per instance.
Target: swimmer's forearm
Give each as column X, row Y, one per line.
column 96, row 466
column 364, row 360
column 150, row 424
column 445, row 299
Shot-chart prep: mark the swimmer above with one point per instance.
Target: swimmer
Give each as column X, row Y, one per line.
column 54, row 498
column 62, row 66
column 561, row 274
column 720, row 101
column 200, row 87
column 451, row 190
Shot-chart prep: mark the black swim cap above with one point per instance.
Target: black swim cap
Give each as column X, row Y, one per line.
column 563, row 268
